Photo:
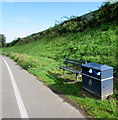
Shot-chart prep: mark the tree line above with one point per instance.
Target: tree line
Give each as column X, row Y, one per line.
column 2, row 40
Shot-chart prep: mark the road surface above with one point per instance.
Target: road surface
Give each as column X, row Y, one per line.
column 23, row 96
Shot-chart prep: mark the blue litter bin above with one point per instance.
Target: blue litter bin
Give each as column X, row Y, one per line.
column 97, row 79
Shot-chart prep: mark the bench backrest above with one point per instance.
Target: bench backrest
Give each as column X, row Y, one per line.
column 71, row 63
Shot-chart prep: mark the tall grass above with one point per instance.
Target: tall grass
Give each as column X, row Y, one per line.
column 95, row 45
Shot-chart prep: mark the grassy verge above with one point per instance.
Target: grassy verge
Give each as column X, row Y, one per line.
column 45, row 70
column 0, row 50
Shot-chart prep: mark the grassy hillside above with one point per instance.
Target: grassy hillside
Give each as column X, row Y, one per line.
column 41, row 53
column 95, row 45
column 107, row 13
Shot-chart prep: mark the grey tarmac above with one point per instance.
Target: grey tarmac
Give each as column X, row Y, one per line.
column 39, row 101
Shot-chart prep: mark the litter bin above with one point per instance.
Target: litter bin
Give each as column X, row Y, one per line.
column 97, row 79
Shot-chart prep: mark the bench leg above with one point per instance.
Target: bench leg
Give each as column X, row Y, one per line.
column 77, row 77
column 63, row 71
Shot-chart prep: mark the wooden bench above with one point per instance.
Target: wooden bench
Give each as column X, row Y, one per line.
column 73, row 66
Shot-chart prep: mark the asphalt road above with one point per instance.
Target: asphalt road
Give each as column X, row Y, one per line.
column 23, row 96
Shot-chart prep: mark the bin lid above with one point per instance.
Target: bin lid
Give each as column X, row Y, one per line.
column 96, row 66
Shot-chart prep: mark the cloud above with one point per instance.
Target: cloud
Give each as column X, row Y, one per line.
column 20, row 19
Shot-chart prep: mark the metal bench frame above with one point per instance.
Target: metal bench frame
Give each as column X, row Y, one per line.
column 72, row 62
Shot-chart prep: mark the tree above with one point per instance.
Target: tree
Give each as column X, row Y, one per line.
column 2, row 40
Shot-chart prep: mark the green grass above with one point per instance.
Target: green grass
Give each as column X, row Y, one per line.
column 42, row 57
column 93, row 45
column 0, row 50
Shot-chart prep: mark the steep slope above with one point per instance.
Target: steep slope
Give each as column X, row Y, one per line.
column 96, row 45
column 106, row 14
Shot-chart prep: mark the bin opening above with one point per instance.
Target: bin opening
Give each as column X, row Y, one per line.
column 96, row 72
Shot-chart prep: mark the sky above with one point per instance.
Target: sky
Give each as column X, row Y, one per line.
column 20, row 19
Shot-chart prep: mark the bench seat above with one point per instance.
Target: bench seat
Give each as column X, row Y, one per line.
column 71, row 70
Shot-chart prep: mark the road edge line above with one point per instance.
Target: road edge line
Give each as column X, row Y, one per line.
column 20, row 103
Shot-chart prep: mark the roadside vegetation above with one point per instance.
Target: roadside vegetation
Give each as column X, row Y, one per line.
column 2, row 40
column 95, row 40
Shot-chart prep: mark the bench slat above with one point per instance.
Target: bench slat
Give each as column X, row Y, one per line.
column 66, row 62
column 75, row 60
column 71, row 70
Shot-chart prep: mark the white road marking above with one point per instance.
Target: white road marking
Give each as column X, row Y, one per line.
column 20, row 103
column 0, row 87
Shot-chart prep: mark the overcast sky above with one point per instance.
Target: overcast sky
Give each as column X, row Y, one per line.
column 20, row 19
